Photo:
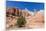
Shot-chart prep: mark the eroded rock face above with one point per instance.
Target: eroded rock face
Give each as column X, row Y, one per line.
column 14, row 11
column 32, row 21
column 35, row 21
column 11, row 21
column 11, row 10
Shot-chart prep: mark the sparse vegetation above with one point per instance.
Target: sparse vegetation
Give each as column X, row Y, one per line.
column 21, row 21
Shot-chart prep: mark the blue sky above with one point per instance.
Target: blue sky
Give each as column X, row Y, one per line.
column 23, row 5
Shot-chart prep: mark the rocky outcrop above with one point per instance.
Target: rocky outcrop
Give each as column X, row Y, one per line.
column 33, row 20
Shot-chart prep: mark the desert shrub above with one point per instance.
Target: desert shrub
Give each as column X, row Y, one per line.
column 21, row 21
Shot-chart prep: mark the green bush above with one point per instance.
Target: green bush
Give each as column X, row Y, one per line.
column 21, row 21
